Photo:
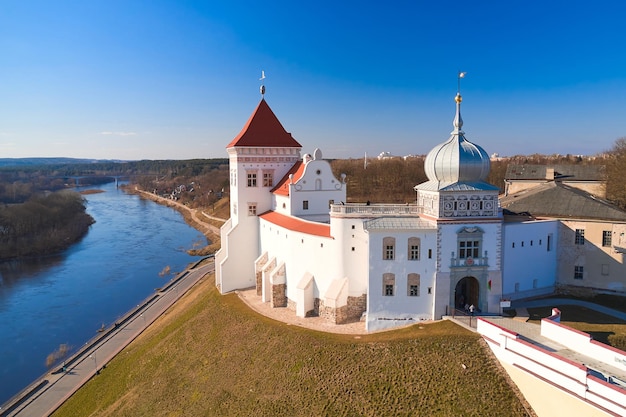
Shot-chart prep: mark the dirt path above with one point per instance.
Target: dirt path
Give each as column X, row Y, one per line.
column 211, row 231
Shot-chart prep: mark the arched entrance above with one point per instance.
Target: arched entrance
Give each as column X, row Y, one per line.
column 466, row 292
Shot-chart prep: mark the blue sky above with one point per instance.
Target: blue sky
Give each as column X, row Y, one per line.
column 124, row 79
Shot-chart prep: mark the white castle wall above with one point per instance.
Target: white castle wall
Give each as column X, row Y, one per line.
column 561, row 377
column 401, row 308
column 529, row 258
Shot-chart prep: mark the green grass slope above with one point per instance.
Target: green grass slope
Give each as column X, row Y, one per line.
column 213, row 356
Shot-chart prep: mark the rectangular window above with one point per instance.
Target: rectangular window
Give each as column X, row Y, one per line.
column 469, row 249
column 414, row 253
column 549, row 243
column 578, row 272
column 251, row 179
column 607, row 238
column 430, row 254
column 414, row 290
column 389, row 249
column 388, row 290
column 605, row 269
column 305, row 205
column 251, row 209
column 268, row 179
column 580, row 237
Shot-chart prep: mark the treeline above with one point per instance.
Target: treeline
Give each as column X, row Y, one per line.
column 43, row 224
column 392, row 180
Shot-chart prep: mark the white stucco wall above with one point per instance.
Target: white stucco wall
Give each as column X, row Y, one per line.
column 529, row 268
column 391, row 311
column 318, row 186
column 302, row 253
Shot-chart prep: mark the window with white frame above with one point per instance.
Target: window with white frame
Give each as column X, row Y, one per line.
column 469, row 240
column 578, row 272
column 251, row 179
column 268, row 178
column 251, row 209
column 607, row 238
column 579, row 239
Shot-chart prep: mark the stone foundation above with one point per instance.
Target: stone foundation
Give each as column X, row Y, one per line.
column 259, row 283
column 279, row 295
column 350, row 313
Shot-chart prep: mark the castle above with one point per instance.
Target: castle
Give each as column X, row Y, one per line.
column 293, row 237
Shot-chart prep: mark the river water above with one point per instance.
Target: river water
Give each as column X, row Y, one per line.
column 65, row 299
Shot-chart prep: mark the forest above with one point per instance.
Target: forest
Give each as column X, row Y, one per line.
column 42, row 225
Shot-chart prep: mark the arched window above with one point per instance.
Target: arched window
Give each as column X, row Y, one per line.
column 389, row 248
column 414, row 249
column 413, row 285
column 318, row 184
column 389, row 284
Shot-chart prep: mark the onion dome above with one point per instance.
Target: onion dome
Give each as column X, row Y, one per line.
column 457, row 160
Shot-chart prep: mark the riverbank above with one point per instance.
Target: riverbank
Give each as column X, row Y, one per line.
column 49, row 392
column 43, row 225
column 193, row 217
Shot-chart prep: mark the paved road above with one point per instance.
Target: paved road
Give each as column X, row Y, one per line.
column 44, row 396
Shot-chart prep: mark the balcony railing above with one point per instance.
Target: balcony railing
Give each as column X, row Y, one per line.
column 364, row 209
column 468, row 262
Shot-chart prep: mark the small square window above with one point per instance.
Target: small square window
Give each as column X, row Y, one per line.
column 579, row 239
column 578, row 272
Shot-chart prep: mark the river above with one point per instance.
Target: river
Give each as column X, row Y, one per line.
column 65, row 299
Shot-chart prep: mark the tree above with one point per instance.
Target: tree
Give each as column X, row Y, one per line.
column 615, row 169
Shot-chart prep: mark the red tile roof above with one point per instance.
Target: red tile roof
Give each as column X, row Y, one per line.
column 264, row 129
column 282, row 188
column 297, row 225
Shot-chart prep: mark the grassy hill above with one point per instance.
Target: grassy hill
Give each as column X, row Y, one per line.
column 211, row 355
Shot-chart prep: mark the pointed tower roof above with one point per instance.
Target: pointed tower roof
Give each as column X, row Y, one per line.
column 264, row 129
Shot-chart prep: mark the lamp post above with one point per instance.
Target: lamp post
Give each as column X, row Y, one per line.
column 95, row 361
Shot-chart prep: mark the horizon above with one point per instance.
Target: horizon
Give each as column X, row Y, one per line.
column 125, row 81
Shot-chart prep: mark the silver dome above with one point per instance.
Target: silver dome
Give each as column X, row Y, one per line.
column 457, row 159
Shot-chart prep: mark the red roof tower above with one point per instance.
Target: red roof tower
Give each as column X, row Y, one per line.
column 263, row 129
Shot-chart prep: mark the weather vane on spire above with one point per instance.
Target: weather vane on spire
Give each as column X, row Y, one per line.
column 262, row 86
column 458, row 87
